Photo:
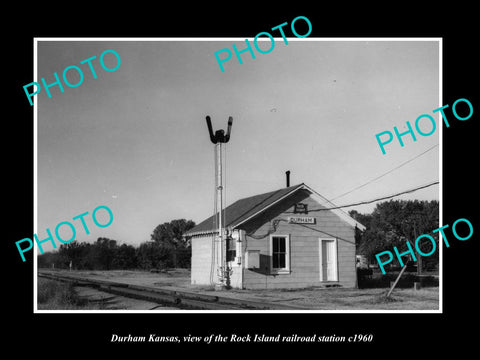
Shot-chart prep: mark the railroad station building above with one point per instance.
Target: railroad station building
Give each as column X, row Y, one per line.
column 289, row 238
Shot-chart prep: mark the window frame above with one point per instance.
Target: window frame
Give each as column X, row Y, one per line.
column 286, row 269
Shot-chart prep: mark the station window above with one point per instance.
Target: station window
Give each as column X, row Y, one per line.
column 280, row 253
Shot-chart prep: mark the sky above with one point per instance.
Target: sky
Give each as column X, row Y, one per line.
column 136, row 139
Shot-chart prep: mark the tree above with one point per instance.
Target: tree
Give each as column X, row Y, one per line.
column 170, row 237
column 168, row 248
column 394, row 222
column 104, row 253
column 153, row 255
column 125, row 257
column 47, row 260
column 75, row 252
column 171, row 233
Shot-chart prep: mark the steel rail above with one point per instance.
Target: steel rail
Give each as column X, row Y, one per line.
column 177, row 298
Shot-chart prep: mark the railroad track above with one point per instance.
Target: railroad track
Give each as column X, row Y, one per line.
column 177, row 298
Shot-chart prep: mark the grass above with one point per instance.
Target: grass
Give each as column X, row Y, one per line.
column 427, row 298
column 351, row 299
column 400, row 299
column 55, row 295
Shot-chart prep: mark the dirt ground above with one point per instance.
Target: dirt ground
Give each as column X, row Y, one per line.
column 312, row 298
column 100, row 300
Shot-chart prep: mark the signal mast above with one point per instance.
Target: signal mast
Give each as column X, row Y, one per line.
column 219, row 138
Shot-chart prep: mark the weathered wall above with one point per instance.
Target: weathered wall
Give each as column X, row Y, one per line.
column 201, row 260
column 304, row 246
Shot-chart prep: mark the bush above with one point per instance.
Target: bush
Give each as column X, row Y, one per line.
column 406, row 281
column 54, row 295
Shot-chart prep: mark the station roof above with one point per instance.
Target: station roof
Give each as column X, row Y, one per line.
column 244, row 209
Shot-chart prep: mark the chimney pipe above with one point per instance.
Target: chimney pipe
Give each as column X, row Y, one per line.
column 287, row 173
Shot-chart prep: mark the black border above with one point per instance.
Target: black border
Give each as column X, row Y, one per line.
column 91, row 333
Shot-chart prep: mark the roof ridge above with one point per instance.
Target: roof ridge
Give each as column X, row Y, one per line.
column 268, row 192
column 264, row 200
column 272, row 193
column 242, row 210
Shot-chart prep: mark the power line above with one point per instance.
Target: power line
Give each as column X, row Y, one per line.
column 274, row 223
column 388, row 172
column 377, row 199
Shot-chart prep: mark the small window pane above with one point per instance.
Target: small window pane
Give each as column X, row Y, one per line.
column 275, row 241
column 274, row 261
column 281, row 261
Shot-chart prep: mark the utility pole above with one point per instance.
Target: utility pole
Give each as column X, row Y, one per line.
column 419, row 257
